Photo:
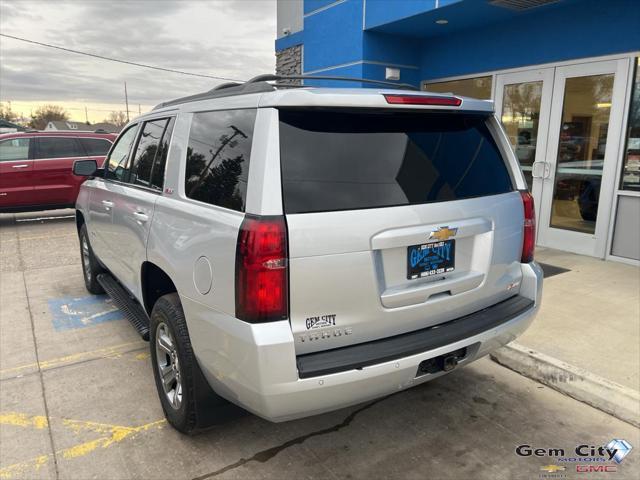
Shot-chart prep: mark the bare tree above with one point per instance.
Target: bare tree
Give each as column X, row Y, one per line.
column 46, row 114
column 119, row 119
column 6, row 113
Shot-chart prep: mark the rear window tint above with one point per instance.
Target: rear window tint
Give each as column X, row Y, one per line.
column 338, row 160
column 59, row 147
column 95, row 146
column 218, row 157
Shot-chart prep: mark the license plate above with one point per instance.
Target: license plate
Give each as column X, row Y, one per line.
column 431, row 259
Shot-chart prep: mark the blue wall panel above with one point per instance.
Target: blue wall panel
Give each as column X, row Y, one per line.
column 311, row 5
column 333, row 36
column 498, row 39
column 584, row 29
column 379, row 12
column 376, row 72
column 295, row 38
column 355, row 71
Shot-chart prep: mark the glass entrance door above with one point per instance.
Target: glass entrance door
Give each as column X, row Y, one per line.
column 523, row 103
column 578, row 175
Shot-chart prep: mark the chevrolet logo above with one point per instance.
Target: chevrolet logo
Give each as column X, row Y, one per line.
column 443, row 233
column 553, row 468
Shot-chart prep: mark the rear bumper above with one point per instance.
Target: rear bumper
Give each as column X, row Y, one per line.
column 255, row 366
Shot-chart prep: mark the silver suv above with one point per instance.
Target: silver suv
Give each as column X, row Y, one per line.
column 297, row 250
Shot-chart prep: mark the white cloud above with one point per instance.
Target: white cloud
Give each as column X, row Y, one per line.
column 227, row 38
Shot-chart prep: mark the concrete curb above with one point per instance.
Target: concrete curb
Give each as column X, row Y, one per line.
column 617, row 400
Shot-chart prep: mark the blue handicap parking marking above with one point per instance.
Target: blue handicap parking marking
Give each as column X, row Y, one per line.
column 78, row 312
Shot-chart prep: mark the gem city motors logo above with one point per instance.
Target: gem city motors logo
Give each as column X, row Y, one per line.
column 587, row 458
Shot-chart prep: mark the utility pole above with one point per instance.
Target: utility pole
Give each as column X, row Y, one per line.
column 139, row 110
column 126, row 100
column 86, row 114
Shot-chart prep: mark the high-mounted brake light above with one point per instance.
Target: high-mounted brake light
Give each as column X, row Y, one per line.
column 423, row 100
column 529, row 234
column 262, row 274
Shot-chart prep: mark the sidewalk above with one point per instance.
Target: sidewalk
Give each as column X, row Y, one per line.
column 590, row 320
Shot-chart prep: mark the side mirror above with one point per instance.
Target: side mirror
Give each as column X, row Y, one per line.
column 85, row 168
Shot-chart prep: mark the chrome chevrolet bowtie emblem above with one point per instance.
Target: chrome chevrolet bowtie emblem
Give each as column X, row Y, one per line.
column 443, row 233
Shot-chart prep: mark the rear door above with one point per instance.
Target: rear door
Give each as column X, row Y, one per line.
column 54, row 181
column 397, row 221
column 16, row 172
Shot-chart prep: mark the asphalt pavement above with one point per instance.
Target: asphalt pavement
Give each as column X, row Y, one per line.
column 77, row 401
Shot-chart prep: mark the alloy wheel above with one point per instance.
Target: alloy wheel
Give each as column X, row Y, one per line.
column 168, row 365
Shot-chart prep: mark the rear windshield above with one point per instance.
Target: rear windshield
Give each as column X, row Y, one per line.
column 345, row 160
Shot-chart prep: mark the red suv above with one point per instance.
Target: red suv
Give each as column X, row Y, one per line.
column 36, row 169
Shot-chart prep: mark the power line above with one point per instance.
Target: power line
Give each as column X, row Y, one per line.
column 119, row 60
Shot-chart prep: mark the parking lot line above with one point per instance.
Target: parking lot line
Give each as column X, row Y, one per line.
column 111, row 435
column 22, row 420
column 106, row 352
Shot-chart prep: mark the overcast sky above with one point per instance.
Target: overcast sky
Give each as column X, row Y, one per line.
column 227, row 38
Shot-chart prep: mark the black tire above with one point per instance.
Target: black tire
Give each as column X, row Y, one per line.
column 199, row 407
column 91, row 268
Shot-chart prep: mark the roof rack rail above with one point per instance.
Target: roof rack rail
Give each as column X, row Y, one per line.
column 259, row 84
column 271, row 77
column 225, row 85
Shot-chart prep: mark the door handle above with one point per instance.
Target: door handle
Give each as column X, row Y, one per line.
column 141, row 217
column 535, row 169
column 107, row 204
column 537, row 166
column 20, row 166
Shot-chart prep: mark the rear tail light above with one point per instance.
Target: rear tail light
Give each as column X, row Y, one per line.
column 262, row 275
column 423, row 100
column 529, row 237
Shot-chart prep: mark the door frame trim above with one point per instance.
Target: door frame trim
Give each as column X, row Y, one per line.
column 546, row 76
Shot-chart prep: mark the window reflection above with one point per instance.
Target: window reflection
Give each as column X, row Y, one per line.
column 580, row 162
column 146, row 152
column 631, row 169
column 521, row 117
column 117, row 161
column 218, row 157
column 478, row 87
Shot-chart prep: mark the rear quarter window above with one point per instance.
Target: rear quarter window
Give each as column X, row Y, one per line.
column 346, row 160
column 218, row 157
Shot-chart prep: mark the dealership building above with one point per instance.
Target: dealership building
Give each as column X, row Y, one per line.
column 564, row 76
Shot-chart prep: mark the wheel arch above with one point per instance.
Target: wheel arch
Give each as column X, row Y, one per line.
column 79, row 220
column 155, row 283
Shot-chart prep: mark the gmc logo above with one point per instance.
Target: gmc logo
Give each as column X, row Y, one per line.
column 595, row 468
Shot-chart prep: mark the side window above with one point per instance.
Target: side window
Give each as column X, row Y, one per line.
column 218, row 157
column 157, row 172
column 117, row 160
column 14, row 149
column 146, row 152
column 95, row 146
column 58, row 147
